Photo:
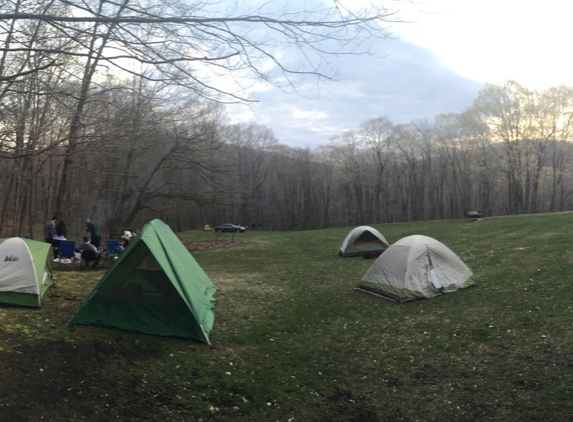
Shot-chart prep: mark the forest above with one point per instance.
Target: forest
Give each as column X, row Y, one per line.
column 508, row 153
column 108, row 111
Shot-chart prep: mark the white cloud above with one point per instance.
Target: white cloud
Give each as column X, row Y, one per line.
column 409, row 82
column 494, row 41
column 448, row 50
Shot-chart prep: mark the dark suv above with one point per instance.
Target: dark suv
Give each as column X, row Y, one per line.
column 228, row 227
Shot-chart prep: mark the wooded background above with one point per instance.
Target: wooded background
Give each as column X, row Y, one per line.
column 107, row 111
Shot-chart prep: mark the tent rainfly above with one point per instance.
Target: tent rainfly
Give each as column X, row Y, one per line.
column 416, row 267
column 363, row 240
column 154, row 287
column 25, row 271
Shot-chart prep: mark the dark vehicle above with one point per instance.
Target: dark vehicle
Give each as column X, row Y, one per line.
column 473, row 214
column 228, row 227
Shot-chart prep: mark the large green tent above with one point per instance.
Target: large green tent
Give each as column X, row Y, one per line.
column 25, row 271
column 363, row 240
column 154, row 287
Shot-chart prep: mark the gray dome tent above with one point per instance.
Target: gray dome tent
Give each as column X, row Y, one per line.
column 25, row 271
column 416, row 267
column 363, row 240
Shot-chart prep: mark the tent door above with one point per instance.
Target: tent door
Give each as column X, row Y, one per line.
column 431, row 274
column 435, row 280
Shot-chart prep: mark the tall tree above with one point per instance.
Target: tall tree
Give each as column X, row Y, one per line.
column 555, row 125
column 377, row 140
column 253, row 146
column 197, row 45
column 348, row 155
column 151, row 149
column 506, row 110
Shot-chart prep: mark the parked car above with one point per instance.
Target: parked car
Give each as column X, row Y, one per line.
column 228, row 227
column 473, row 214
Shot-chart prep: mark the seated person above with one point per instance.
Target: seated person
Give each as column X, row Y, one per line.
column 89, row 252
column 129, row 233
column 123, row 242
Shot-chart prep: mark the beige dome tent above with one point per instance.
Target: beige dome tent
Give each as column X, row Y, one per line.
column 25, row 271
column 416, row 267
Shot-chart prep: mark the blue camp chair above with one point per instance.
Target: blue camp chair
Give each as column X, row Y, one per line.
column 113, row 246
column 67, row 253
column 112, row 250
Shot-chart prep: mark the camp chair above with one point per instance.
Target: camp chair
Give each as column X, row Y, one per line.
column 66, row 254
column 112, row 249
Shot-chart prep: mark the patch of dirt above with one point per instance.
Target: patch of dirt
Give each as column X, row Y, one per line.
column 58, row 381
column 206, row 245
column 354, row 408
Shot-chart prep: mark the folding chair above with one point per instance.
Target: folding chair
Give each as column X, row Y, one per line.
column 67, row 252
column 112, row 250
column 112, row 247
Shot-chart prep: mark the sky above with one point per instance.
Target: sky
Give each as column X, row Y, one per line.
column 444, row 52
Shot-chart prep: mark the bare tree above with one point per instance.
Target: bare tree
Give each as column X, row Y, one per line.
column 555, row 125
column 504, row 109
column 411, row 142
column 324, row 157
column 200, row 46
column 253, row 147
column 377, row 139
column 150, row 149
column 349, row 156
column 529, row 125
column 178, row 39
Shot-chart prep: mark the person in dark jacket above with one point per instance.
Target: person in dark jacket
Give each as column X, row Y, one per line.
column 61, row 234
column 92, row 228
column 50, row 230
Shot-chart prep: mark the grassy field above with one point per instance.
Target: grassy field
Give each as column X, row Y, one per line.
column 293, row 341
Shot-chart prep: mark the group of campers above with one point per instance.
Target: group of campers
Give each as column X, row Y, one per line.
column 90, row 251
column 157, row 287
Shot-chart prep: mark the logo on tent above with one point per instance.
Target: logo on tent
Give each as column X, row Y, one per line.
column 12, row 258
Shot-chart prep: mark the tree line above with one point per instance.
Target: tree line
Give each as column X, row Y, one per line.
column 145, row 154
column 509, row 152
column 115, row 110
column 77, row 139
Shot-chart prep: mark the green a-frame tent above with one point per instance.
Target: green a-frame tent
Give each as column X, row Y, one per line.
column 154, row 287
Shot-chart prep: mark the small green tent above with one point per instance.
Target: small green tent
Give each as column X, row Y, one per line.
column 154, row 287
column 25, row 271
column 363, row 240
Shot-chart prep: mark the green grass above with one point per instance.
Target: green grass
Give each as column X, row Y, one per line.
column 293, row 341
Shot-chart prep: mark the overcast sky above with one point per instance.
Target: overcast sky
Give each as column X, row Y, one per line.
column 445, row 54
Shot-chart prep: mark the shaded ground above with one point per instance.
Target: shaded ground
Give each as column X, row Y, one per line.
column 58, row 381
column 64, row 379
